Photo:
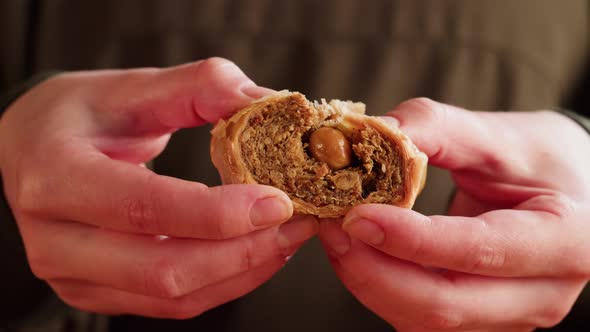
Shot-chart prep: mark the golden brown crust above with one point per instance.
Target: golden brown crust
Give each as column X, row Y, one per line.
column 227, row 140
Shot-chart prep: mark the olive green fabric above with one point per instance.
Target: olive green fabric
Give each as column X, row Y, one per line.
column 484, row 55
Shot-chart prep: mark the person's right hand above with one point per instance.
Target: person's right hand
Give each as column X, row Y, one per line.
column 111, row 236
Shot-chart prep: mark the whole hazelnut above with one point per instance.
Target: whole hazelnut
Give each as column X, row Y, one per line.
column 330, row 146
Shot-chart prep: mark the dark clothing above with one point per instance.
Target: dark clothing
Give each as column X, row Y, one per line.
column 481, row 55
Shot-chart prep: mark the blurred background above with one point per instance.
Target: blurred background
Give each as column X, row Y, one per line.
column 481, row 55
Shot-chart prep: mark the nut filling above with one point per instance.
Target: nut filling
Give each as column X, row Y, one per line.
column 277, row 151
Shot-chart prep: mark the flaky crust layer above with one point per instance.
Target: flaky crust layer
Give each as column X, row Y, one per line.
column 226, row 149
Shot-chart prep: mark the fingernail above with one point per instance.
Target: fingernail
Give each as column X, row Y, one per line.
column 299, row 229
column 256, row 92
column 365, row 230
column 336, row 239
column 270, row 211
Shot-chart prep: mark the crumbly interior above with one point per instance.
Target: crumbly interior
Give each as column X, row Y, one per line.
column 275, row 149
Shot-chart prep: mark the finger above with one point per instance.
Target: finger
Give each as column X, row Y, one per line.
column 148, row 101
column 466, row 205
column 490, row 153
column 496, row 243
column 402, row 292
column 154, row 266
column 94, row 189
column 457, row 139
column 97, row 298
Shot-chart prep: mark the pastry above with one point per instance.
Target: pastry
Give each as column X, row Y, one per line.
column 328, row 157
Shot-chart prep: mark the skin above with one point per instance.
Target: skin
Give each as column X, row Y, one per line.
column 513, row 253
column 111, row 236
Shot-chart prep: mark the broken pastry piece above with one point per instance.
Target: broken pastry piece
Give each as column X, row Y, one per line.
column 328, row 157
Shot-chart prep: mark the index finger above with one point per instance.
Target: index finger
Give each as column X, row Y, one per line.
column 405, row 293
column 94, row 189
column 498, row 243
column 148, row 101
column 461, row 140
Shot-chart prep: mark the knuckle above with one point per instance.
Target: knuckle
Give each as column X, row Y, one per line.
column 483, row 257
column 563, row 206
column 39, row 265
column 359, row 282
column 164, row 279
column 440, row 311
column 56, row 82
column 181, row 309
column 580, row 266
column 211, row 65
column 74, row 299
column 226, row 222
column 418, row 248
column 220, row 75
column 31, row 193
column 222, row 220
column 72, row 296
column 440, row 315
column 247, row 261
column 222, row 228
column 42, row 260
column 426, row 103
column 429, row 109
column 141, row 210
column 59, row 88
column 441, row 320
column 552, row 315
column 139, row 214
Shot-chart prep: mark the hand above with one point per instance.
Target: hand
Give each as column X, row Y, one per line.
column 111, row 236
column 513, row 254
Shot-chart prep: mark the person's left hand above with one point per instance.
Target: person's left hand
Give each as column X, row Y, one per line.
column 512, row 255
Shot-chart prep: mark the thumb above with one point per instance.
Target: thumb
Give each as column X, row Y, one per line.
column 156, row 101
column 451, row 137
